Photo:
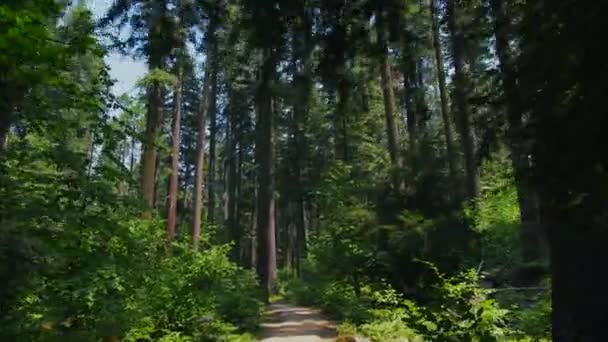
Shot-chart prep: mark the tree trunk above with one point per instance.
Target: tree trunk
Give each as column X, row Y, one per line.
column 236, row 211
column 341, row 121
column 531, row 235
column 132, row 156
column 578, row 297
column 408, row 95
column 154, row 122
column 202, row 125
column 302, row 83
column 173, row 179
column 389, row 100
column 253, row 235
column 212, row 148
column 231, row 183
column 157, row 181
column 5, row 124
column 155, row 115
column 564, row 73
column 461, row 89
column 264, row 155
column 443, row 94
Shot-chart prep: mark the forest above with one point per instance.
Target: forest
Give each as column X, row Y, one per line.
column 419, row 170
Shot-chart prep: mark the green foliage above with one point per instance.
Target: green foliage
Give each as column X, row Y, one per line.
column 77, row 262
column 460, row 310
column 157, row 76
column 496, row 215
column 531, row 312
column 463, row 310
column 497, row 204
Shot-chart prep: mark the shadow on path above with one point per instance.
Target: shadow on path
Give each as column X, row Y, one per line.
column 288, row 323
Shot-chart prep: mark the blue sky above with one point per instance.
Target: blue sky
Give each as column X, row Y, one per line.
column 123, row 69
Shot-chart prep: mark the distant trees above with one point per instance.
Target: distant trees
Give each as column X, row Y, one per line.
column 296, row 114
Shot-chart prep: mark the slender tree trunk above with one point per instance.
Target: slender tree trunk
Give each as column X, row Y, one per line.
column 409, row 90
column 5, row 124
column 532, row 238
column 6, row 116
column 231, row 183
column 173, row 179
column 389, row 99
column 461, row 89
column 157, row 181
column 264, row 154
column 236, row 203
column 443, row 94
column 132, row 156
column 341, row 123
column 186, row 182
column 253, row 242
column 202, row 125
column 212, row 148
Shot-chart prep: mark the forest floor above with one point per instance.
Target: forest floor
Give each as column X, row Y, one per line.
column 289, row 323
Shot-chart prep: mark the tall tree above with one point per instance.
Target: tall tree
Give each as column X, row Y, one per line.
column 176, row 124
column 336, row 65
column 458, row 22
column 302, row 64
column 150, row 37
column 565, row 96
column 267, row 39
column 175, row 144
column 443, row 92
column 386, row 76
column 264, row 154
column 211, row 172
column 532, row 237
column 210, row 68
column 158, row 50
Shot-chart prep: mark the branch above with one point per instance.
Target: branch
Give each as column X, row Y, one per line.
column 535, row 288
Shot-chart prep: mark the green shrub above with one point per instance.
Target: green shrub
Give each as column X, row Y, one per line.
column 388, row 325
column 534, row 320
column 339, row 300
column 128, row 286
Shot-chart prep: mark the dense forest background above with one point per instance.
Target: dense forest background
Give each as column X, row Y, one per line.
column 428, row 169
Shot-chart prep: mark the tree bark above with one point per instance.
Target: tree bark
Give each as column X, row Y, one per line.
column 302, row 83
column 409, row 90
column 389, row 100
column 173, row 179
column 5, row 124
column 155, row 115
column 202, row 125
column 565, row 98
column 237, row 194
column 231, row 183
column 264, row 154
column 461, row 89
column 533, row 242
column 341, row 121
column 443, row 94
column 154, row 122
column 211, row 173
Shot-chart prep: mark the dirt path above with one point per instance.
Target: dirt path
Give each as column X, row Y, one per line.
column 289, row 323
